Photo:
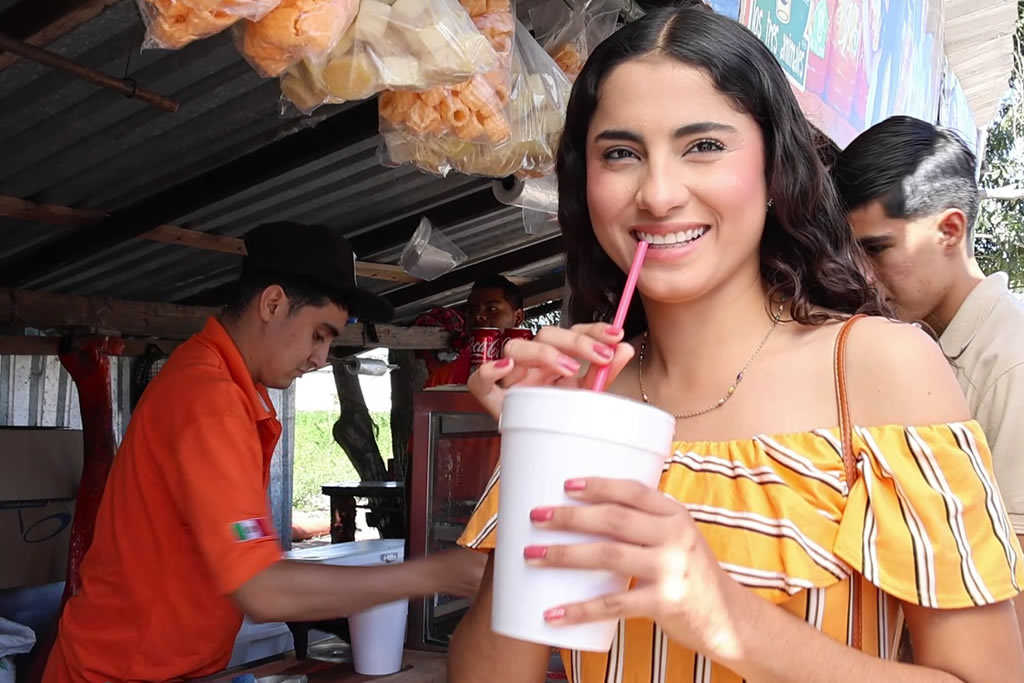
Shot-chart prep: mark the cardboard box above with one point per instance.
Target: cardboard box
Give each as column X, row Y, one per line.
column 39, row 474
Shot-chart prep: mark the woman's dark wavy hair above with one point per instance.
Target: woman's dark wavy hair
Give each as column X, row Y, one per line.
column 808, row 254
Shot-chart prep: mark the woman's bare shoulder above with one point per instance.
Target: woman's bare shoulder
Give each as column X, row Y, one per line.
column 897, row 374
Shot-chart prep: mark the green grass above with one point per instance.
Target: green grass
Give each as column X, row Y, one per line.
column 319, row 460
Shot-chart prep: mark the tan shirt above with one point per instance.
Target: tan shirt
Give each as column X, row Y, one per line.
column 985, row 343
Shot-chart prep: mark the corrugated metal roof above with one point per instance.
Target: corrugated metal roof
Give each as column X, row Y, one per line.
column 68, row 142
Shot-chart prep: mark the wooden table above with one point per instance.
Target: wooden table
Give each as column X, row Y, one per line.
column 420, row 667
column 343, row 503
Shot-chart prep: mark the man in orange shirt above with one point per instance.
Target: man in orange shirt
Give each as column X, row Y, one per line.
column 184, row 545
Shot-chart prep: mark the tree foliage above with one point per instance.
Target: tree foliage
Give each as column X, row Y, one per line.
column 1000, row 232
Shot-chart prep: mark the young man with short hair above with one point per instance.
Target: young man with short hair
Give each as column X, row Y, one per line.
column 184, row 544
column 912, row 200
column 494, row 301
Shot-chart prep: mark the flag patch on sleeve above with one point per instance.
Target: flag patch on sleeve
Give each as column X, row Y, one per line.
column 250, row 529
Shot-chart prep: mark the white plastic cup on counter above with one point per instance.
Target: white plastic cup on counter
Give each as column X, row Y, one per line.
column 548, row 436
column 378, row 638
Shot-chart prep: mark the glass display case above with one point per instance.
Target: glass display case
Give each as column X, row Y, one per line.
column 455, row 451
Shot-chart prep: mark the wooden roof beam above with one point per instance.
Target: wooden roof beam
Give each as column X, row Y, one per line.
column 20, row 308
column 39, row 23
column 66, row 216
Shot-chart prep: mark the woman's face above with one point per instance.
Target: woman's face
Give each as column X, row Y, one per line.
column 671, row 161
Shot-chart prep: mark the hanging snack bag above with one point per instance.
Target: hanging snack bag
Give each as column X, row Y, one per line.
column 407, row 45
column 537, row 97
column 569, row 30
column 474, row 110
column 296, row 30
column 173, row 24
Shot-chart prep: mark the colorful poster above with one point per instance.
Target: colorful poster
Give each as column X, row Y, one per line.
column 859, row 75
column 729, row 8
column 782, row 26
column 850, row 61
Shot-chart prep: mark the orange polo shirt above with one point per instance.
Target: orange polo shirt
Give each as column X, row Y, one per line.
column 184, row 522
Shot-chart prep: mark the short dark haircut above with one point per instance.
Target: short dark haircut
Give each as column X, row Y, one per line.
column 301, row 291
column 912, row 168
column 513, row 295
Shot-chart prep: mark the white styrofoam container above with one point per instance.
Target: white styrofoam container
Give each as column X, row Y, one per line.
column 257, row 641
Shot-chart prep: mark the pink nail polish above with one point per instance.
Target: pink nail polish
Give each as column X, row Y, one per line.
column 614, row 332
column 554, row 614
column 604, row 350
column 568, row 363
column 503, row 363
column 535, row 552
column 541, row 514
column 575, row 484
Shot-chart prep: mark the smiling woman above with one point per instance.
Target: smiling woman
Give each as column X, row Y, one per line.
column 755, row 149
column 779, row 545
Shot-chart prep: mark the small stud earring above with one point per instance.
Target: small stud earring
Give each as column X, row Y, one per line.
column 771, row 202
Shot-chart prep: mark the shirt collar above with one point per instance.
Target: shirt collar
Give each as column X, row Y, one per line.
column 964, row 326
column 217, row 338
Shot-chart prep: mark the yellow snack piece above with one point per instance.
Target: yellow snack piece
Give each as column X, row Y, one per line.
column 410, row 13
column 345, row 42
column 301, row 92
column 351, row 77
column 372, row 21
column 400, row 71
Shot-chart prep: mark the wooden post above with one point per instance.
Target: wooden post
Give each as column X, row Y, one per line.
column 406, row 380
column 356, row 434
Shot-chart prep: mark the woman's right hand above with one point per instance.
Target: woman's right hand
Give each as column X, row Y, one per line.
column 555, row 357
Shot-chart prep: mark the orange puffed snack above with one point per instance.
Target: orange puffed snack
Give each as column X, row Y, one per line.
column 483, row 135
column 475, row 109
column 173, row 24
column 568, row 60
column 296, row 30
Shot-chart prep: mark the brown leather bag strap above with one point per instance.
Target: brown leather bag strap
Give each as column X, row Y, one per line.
column 849, row 461
column 845, row 425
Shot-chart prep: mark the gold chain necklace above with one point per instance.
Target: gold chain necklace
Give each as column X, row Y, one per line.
column 732, row 388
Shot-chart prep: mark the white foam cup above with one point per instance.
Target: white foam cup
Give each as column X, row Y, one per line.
column 378, row 638
column 548, row 436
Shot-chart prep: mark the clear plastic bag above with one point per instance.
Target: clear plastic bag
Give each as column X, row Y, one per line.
column 173, row 24
column 538, row 95
column 569, row 30
column 293, row 31
column 407, row 45
column 429, row 254
column 470, row 111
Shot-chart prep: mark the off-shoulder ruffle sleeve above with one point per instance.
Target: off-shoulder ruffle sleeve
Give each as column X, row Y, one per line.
column 480, row 532
column 925, row 521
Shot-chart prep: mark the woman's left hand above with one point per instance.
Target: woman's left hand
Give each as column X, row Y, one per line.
column 678, row 581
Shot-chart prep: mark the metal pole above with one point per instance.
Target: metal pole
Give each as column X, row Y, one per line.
column 126, row 87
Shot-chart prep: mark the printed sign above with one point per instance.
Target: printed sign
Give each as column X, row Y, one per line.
column 782, row 26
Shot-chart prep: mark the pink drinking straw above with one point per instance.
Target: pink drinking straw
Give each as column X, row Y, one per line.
column 601, row 378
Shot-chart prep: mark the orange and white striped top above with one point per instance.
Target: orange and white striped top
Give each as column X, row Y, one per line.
column 924, row 523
